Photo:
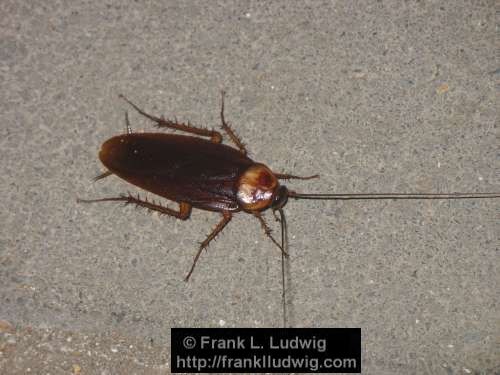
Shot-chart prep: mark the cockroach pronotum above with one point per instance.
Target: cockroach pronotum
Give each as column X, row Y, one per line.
column 209, row 175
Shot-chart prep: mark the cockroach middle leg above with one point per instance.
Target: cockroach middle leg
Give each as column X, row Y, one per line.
column 226, row 218
column 214, row 136
column 227, row 128
column 183, row 213
column 286, row 176
column 268, row 232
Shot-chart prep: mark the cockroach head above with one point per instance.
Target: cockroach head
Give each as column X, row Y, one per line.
column 280, row 197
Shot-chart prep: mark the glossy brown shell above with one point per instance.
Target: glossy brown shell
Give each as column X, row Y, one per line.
column 256, row 188
column 177, row 167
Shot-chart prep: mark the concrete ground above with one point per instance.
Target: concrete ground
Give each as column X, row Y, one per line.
column 379, row 96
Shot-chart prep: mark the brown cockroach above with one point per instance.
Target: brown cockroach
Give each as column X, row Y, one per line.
column 209, row 175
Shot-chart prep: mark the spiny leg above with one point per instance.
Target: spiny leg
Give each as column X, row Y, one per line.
column 226, row 218
column 183, row 213
column 215, row 136
column 268, row 231
column 230, row 132
column 286, row 176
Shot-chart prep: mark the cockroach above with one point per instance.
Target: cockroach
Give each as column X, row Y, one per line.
column 208, row 175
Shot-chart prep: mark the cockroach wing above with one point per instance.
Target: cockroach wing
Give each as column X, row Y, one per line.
column 177, row 167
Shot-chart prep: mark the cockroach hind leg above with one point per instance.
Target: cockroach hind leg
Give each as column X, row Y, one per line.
column 268, row 232
column 183, row 213
column 227, row 128
column 286, row 176
column 226, row 218
column 102, row 175
column 161, row 122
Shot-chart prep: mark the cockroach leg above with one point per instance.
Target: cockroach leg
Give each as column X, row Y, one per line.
column 183, row 213
column 227, row 128
column 226, row 218
column 215, row 136
column 102, row 175
column 268, row 231
column 286, row 176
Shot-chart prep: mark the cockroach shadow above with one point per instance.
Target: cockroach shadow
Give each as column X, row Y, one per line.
column 208, row 175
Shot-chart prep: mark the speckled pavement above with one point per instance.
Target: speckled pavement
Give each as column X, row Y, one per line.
column 378, row 96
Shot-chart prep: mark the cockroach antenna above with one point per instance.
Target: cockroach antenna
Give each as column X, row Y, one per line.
column 349, row 196
column 284, row 245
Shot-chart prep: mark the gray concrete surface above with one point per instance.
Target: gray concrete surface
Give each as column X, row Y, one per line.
column 379, row 96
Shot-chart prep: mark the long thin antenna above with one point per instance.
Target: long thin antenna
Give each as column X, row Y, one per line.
column 293, row 194
column 284, row 244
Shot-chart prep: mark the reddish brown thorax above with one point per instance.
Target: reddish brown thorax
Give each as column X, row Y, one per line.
column 256, row 188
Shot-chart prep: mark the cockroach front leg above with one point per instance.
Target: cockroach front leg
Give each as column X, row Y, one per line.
column 286, row 176
column 230, row 132
column 215, row 136
column 268, row 231
column 183, row 213
column 226, row 218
